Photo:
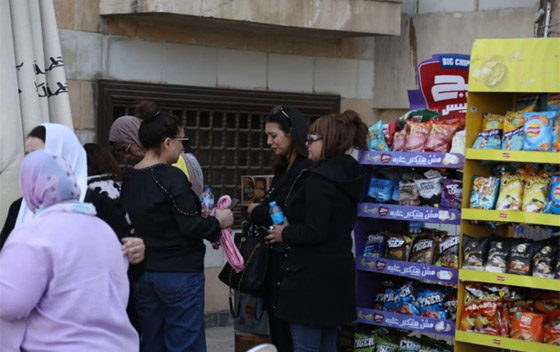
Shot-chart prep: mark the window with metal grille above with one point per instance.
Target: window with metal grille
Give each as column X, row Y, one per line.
column 225, row 126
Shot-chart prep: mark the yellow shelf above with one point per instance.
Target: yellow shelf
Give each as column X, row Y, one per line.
column 512, row 156
column 510, row 216
column 509, row 279
column 503, row 342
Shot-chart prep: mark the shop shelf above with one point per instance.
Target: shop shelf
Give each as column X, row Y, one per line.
column 511, row 216
column 412, row 159
column 513, row 156
column 404, row 321
column 409, row 213
column 437, row 274
column 509, row 279
column 503, row 342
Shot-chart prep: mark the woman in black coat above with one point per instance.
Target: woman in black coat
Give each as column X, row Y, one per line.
column 318, row 290
column 286, row 130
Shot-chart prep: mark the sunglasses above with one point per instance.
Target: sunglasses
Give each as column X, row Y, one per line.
column 313, row 138
column 278, row 109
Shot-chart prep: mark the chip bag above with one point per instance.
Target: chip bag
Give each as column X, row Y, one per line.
column 537, row 129
column 512, row 138
column 440, row 136
column 553, row 205
column 399, row 140
column 452, row 193
column 417, row 135
column 491, row 135
column 484, row 192
column 375, row 138
column 535, row 194
column 527, row 326
column 364, row 343
column 511, row 193
column 475, row 253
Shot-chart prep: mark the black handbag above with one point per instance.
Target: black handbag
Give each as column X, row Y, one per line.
column 254, row 250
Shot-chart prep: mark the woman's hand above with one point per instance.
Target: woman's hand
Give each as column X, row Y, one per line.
column 134, row 249
column 225, row 217
column 251, row 207
column 275, row 232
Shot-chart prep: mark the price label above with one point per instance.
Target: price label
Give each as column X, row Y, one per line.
column 503, row 215
column 497, row 342
column 506, row 155
column 500, row 278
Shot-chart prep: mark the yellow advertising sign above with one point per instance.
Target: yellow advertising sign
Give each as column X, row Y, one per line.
column 529, row 65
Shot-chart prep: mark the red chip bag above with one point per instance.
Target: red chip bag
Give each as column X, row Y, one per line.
column 389, row 130
column 552, row 333
column 417, row 135
column 440, row 136
column 527, row 326
column 399, row 140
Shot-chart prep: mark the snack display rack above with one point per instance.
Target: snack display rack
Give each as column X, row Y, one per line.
column 529, row 66
column 374, row 217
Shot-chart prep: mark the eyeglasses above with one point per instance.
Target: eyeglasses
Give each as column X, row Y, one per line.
column 313, row 138
column 123, row 151
column 182, row 139
column 279, row 109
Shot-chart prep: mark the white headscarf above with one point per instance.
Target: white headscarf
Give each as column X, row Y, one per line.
column 62, row 142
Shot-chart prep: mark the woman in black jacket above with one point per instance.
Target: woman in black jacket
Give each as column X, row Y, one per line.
column 166, row 214
column 318, row 290
column 286, row 129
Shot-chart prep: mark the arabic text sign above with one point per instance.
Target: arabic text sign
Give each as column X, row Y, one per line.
column 408, row 322
column 406, row 269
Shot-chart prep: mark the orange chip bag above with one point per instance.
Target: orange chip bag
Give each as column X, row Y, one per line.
column 527, row 326
column 441, row 135
column 552, row 333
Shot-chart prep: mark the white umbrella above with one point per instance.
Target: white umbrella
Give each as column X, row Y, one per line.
column 33, row 87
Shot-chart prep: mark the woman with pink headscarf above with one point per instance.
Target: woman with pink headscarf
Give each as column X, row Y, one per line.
column 67, row 286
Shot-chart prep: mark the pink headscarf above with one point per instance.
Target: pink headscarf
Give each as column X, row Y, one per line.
column 46, row 180
column 125, row 130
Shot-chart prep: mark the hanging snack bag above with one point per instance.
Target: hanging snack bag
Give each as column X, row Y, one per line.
column 441, row 135
column 520, row 258
column 527, row 326
column 553, row 205
column 408, row 193
column 497, row 255
column 408, row 344
column 491, row 135
column 375, row 138
column 429, row 191
column 458, row 142
column 407, row 304
column 398, row 246
column 375, row 246
column 380, row 189
column 424, row 250
column 417, row 135
column 484, row 192
column 535, row 194
column 475, row 252
column 389, row 130
column 452, row 194
column 513, row 131
column 364, row 343
column 537, row 129
column 511, row 193
column 526, row 102
column 430, row 300
column 450, row 304
column 544, row 260
column 384, row 343
column 448, row 252
column 552, row 333
column 419, row 115
column 399, row 140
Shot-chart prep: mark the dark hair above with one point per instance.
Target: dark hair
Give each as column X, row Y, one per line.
column 156, row 129
column 340, row 132
column 291, row 121
column 145, row 109
column 39, row 132
column 100, row 161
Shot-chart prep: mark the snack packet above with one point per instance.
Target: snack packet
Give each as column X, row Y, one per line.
column 375, row 246
column 398, row 246
column 553, row 205
column 364, row 343
column 535, row 194
column 430, row 300
column 552, row 333
column 511, row 193
column 375, row 138
column 399, row 140
column 429, row 191
column 389, row 130
column 484, row 192
column 423, row 250
column 537, row 129
column 448, row 252
column 491, row 135
column 452, row 194
column 380, row 189
column 419, row 115
column 417, row 135
column 544, row 260
column 475, row 252
column 527, row 326
column 526, row 102
column 512, row 138
column 408, row 193
column 440, row 136
column 497, row 255
column 458, row 142
column 520, row 258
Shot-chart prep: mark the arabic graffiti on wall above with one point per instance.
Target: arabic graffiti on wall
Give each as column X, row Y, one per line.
column 41, row 85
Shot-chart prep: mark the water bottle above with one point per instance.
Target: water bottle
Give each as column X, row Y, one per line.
column 207, row 201
column 276, row 213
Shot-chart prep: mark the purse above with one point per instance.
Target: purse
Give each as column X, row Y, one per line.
column 254, row 250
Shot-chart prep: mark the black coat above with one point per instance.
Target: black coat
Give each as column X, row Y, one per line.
column 319, row 284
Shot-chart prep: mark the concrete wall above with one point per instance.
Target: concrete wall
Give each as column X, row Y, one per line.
column 439, row 26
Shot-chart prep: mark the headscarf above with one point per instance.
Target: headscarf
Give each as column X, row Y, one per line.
column 46, row 179
column 125, row 130
column 61, row 142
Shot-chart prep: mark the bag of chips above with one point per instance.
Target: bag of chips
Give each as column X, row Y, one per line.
column 535, row 194
column 423, row 250
column 408, row 193
column 399, row 140
column 380, row 189
column 544, row 260
column 475, row 252
column 498, row 253
column 552, row 333
column 430, row 300
column 513, row 131
column 452, row 194
column 440, row 136
column 520, row 258
column 527, row 326
column 417, row 135
column 484, row 192
column 526, row 102
column 511, row 193
column 389, row 130
column 448, row 252
column 364, row 343
column 537, row 129
column 458, row 142
column 491, row 135
column 398, row 246
column 375, row 246
column 553, row 205
column 429, row 191
column 375, row 138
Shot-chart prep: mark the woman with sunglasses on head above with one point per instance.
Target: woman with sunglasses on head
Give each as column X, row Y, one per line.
column 166, row 213
column 318, row 292
column 286, row 129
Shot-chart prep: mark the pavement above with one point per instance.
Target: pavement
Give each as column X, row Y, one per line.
column 220, row 339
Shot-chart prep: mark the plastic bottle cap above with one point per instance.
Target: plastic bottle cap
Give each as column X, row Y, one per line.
column 208, row 189
column 273, row 203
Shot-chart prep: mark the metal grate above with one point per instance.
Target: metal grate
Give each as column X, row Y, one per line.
column 225, row 126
